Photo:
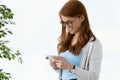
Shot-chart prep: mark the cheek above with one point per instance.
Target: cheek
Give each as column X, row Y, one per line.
column 77, row 26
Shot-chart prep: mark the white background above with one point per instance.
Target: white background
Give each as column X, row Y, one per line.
column 37, row 29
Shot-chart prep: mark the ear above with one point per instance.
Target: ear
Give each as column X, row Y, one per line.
column 82, row 17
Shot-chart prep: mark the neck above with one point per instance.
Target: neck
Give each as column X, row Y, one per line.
column 75, row 38
column 76, row 35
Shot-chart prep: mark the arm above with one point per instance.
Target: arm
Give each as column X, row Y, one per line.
column 93, row 67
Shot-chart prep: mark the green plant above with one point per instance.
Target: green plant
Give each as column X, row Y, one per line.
column 6, row 17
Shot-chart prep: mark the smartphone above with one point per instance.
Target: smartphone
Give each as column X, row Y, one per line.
column 50, row 57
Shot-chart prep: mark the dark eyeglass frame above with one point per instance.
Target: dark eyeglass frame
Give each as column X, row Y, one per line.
column 68, row 23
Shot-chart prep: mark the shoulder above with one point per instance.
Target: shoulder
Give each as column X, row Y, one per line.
column 93, row 48
column 95, row 43
column 92, row 44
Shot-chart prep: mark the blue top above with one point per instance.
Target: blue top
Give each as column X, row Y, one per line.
column 73, row 59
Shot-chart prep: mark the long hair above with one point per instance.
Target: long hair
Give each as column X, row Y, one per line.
column 74, row 8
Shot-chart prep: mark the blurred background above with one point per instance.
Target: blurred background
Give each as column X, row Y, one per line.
column 37, row 29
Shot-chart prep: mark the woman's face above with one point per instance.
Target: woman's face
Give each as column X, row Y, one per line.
column 72, row 24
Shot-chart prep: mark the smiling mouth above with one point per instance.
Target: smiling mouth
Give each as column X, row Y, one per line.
column 69, row 28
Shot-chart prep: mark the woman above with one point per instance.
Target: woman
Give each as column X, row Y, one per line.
column 80, row 53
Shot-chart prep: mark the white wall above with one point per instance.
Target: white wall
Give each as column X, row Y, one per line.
column 37, row 28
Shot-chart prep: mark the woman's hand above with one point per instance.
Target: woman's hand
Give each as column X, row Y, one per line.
column 62, row 63
column 52, row 62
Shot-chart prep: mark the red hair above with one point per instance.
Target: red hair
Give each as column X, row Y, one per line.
column 74, row 8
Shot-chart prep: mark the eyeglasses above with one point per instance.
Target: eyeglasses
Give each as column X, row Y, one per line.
column 68, row 23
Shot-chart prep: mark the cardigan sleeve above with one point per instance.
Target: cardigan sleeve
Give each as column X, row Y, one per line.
column 93, row 66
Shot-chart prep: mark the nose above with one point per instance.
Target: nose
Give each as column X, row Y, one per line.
column 67, row 26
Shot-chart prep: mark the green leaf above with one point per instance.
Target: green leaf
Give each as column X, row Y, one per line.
column 20, row 60
column 13, row 56
column 17, row 53
column 10, row 32
column 1, row 70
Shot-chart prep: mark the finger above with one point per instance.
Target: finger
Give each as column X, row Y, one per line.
column 58, row 65
column 57, row 57
column 57, row 61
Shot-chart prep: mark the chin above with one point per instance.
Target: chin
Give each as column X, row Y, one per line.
column 72, row 33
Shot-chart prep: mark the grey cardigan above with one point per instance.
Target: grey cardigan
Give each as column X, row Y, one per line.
column 90, row 62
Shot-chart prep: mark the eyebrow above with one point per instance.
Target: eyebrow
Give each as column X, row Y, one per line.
column 67, row 20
